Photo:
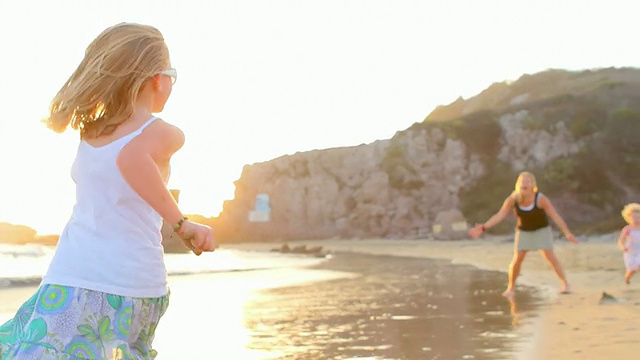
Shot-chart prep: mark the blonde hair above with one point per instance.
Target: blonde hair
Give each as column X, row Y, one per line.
column 525, row 174
column 628, row 210
column 101, row 92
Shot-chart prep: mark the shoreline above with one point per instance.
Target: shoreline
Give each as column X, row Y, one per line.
column 572, row 326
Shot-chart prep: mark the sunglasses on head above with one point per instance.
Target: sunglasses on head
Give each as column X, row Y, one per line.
column 172, row 73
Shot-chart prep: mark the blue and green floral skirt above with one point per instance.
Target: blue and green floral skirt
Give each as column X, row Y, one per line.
column 66, row 323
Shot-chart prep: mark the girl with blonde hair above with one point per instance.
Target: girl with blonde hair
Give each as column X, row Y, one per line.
column 532, row 210
column 629, row 240
column 106, row 287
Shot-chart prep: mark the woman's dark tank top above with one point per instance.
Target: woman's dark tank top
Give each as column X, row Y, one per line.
column 530, row 220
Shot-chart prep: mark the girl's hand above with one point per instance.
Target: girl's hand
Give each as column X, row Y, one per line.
column 197, row 237
column 476, row 231
column 571, row 238
column 623, row 248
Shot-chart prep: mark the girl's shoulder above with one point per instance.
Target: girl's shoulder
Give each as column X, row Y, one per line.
column 630, row 228
column 164, row 130
column 625, row 230
column 163, row 138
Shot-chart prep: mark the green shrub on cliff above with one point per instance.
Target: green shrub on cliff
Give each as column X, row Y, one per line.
column 484, row 198
column 401, row 175
column 479, row 131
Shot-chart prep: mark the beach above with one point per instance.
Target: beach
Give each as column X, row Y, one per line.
column 572, row 326
column 285, row 313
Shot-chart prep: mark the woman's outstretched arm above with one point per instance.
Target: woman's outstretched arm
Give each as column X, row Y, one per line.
column 548, row 208
column 507, row 206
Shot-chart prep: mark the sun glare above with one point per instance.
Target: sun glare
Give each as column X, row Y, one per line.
column 255, row 91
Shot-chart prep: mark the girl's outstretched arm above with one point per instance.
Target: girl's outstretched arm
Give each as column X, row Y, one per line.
column 138, row 163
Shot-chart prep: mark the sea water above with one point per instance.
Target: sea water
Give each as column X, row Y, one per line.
column 269, row 305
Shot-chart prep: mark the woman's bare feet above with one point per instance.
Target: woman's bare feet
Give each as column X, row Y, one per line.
column 509, row 293
column 566, row 289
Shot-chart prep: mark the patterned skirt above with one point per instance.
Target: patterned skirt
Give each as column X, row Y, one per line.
column 66, row 323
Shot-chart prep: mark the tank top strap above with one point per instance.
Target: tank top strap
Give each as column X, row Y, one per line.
column 147, row 123
column 127, row 138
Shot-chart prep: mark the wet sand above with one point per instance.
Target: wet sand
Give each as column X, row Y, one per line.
column 573, row 326
column 350, row 306
column 205, row 319
column 396, row 308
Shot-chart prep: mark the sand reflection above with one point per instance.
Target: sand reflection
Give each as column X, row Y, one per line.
column 207, row 315
column 399, row 308
column 349, row 307
column 515, row 316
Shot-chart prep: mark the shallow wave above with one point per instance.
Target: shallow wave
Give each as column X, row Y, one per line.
column 26, row 250
column 24, row 265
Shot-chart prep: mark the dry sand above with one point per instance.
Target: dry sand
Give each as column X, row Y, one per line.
column 573, row 326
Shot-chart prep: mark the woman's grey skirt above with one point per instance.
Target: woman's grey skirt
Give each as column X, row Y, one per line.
column 541, row 239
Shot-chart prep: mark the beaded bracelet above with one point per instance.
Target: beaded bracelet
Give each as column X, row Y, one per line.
column 177, row 226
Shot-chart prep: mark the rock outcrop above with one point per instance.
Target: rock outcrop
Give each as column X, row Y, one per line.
column 16, row 234
column 578, row 132
column 450, row 225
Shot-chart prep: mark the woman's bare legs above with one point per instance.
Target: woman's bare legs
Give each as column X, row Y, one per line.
column 514, row 271
column 551, row 258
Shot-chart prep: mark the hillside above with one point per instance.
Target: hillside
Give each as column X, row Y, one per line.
column 579, row 132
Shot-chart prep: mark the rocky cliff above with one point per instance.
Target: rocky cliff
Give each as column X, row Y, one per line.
column 579, row 132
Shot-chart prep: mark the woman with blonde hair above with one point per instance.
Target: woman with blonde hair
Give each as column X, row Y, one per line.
column 532, row 210
column 106, row 287
column 629, row 240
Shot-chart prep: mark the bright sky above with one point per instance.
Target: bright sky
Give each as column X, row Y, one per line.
column 260, row 79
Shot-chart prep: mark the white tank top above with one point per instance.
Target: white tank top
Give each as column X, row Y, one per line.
column 112, row 243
